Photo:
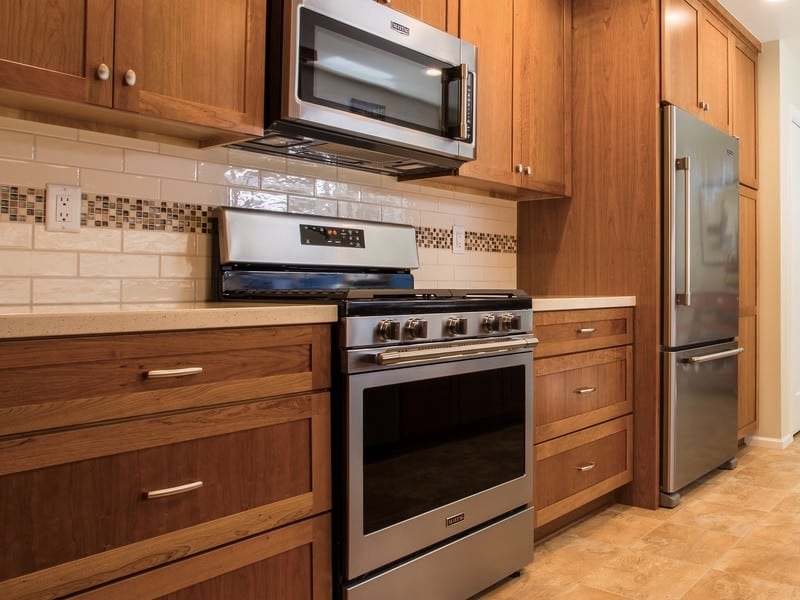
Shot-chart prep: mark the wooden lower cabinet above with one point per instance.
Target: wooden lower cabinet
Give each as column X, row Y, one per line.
column 216, row 481
column 290, row 563
column 583, row 405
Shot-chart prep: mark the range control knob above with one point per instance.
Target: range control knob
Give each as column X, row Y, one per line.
column 510, row 322
column 455, row 326
column 417, row 328
column 388, row 329
column 490, row 323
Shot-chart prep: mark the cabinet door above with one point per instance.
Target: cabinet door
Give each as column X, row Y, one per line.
column 433, row 12
column 715, row 59
column 195, row 61
column 748, row 311
column 745, row 112
column 681, row 21
column 54, row 48
column 542, row 99
column 489, row 26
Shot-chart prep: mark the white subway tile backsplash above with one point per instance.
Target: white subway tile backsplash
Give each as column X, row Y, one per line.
column 15, row 290
column 16, row 235
column 29, row 263
column 309, row 169
column 203, row 244
column 75, row 291
column 218, row 154
column 221, row 174
column 159, row 242
column 283, row 182
column 260, row 199
column 189, row 267
column 120, row 184
column 359, row 177
column 375, row 195
column 157, row 290
column 117, row 141
column 87, row 239
column 358, row 210
column 36, row 127
column 160, row 165
column 337, row 190
column 264, row 162
column 203, row 290
column 190, row 192
column 33, row 174
column 118, row 265
column 393, row 214
column 78, row 154
column 313, row 206
column 16, row 144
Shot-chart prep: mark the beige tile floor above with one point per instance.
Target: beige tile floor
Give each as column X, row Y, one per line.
column 735, row 535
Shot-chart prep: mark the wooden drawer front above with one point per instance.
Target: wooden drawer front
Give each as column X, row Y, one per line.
column 261, row 465
column 291, row 563
column 574, row 391
column 564, row 477
column 561, row 332
column 55, row 383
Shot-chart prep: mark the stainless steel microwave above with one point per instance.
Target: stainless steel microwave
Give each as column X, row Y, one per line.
column 357, row 84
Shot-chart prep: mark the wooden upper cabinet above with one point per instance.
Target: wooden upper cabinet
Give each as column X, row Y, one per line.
column 745, row 108
column 432, row 12
column 697, row 62
column 524, row 102
column 199, row 63
column 55, row 47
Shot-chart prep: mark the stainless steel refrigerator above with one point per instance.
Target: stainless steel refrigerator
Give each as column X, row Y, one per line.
column 701, row 301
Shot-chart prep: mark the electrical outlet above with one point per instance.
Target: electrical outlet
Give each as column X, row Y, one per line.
column 63, row 204
column 459, row 239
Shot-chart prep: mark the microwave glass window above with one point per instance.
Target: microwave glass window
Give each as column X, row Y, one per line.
column 354, row 71
column 433, row 441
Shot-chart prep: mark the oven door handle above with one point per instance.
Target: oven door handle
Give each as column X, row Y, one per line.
column 456, row 350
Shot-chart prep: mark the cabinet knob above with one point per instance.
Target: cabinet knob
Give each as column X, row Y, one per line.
column 130, row 77
column 528, row 170
column 704, row 105
column 518, row 168
column 103, row 72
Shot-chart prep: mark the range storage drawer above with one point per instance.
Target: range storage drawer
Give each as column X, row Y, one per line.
column 290, row 563
column 574, row 391
column 561, row 332
column 89, row 379
column 74, row 506
column 582, row 466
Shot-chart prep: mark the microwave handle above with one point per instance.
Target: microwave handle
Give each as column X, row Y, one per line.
column 461, row 74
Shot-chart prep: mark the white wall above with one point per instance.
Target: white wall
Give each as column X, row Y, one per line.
column 778, row 91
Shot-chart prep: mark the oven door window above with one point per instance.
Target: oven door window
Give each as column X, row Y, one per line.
column 350, row 70
column 432, row 441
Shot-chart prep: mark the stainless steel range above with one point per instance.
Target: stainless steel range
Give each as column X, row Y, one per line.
column 433, row 394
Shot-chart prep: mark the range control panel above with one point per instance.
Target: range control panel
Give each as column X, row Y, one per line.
column 318, row 235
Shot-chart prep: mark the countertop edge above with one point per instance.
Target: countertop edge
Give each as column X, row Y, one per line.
column 207, row 316
column 581, row 302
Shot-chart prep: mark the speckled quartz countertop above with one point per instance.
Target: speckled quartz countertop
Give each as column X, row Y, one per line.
column 126, row 319
column 580, row 302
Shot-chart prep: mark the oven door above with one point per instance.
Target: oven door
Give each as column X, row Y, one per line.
column 380, row 74
column 434, row 450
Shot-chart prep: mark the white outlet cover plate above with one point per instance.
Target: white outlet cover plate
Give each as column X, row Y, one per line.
column 57, row 194
column 459, row 239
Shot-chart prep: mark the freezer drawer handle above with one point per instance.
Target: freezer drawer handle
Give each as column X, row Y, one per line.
column 683, row 164
column 586, row 330
column 714, row 356
column 586, row 467
column 165, row 373
column 586, row 390
column 171, row 491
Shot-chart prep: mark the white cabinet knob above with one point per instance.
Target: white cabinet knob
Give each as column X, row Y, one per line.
column 528, row 170
column 518, row 168
column 103, row 72
column 130, row 77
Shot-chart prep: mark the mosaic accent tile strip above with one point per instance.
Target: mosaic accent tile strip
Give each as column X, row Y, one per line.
column 431, row 237
column 27, row 205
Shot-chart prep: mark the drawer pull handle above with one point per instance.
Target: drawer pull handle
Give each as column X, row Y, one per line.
column 164, row 373
column 586, row 390
column 586, row 467
column 178, row 489
column 586, row 330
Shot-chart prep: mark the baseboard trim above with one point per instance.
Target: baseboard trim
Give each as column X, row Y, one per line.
column 768, row 442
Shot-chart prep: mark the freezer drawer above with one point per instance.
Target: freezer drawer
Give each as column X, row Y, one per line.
column 699, row 413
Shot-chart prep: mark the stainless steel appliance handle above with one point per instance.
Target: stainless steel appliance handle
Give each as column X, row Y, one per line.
column 399, row 356
column 714, row 356
column 684, row 164
column 462, row 105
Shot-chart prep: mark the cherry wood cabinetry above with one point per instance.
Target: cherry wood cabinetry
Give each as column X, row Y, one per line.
column 523, row 97
column 583, row 399
column 433, row 12
column 189, row 69
column 745, row 111
column 697, row 61
column 748, row 311
column 175, row 445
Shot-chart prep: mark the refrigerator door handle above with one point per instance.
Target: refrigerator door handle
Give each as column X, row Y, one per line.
column 714, row 356
column 683, row 164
